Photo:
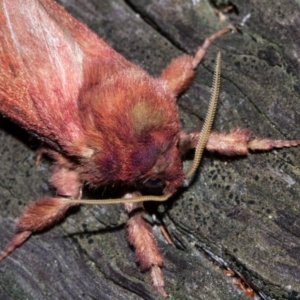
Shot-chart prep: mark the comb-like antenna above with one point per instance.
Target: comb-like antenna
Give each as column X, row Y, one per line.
column 198, row 152
column 208, row 120
column 120, row 200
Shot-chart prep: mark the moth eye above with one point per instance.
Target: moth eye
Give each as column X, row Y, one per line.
column 153, row 186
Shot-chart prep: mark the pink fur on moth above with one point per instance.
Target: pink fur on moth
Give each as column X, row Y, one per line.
column 102, row 119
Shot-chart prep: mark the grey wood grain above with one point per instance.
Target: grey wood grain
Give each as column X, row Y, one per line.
column 243, row 212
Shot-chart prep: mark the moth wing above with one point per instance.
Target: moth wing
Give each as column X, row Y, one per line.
column 44, row 54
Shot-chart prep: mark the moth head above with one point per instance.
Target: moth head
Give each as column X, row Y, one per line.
column 141, row 132
column 133, row 128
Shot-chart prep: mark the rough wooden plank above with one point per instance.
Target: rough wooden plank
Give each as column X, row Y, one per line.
column 244, row 211
column 247, row 210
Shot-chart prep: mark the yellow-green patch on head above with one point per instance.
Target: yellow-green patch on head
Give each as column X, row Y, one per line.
column 144, row 116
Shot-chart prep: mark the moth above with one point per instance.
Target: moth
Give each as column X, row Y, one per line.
column 103, row 120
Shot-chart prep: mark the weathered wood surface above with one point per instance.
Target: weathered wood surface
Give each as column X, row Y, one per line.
column 244, row 211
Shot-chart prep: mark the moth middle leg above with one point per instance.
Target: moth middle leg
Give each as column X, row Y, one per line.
column 46, row 212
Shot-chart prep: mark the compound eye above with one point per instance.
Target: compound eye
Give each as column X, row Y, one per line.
column 153, row 186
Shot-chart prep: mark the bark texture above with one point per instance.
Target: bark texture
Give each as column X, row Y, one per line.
column 243, row 213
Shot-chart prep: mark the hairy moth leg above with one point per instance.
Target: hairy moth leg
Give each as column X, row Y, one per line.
column 239, row 141
column 141, row 237
column 180, row 72
column 46, row 212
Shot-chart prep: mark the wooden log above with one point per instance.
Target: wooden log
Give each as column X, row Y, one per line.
column 242, row 212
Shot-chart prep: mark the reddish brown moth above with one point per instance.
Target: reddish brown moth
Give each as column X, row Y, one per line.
column 102, row 119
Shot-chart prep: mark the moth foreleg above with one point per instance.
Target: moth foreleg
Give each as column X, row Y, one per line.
column 179, row 73
column 238, row 141
column 141, row 237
